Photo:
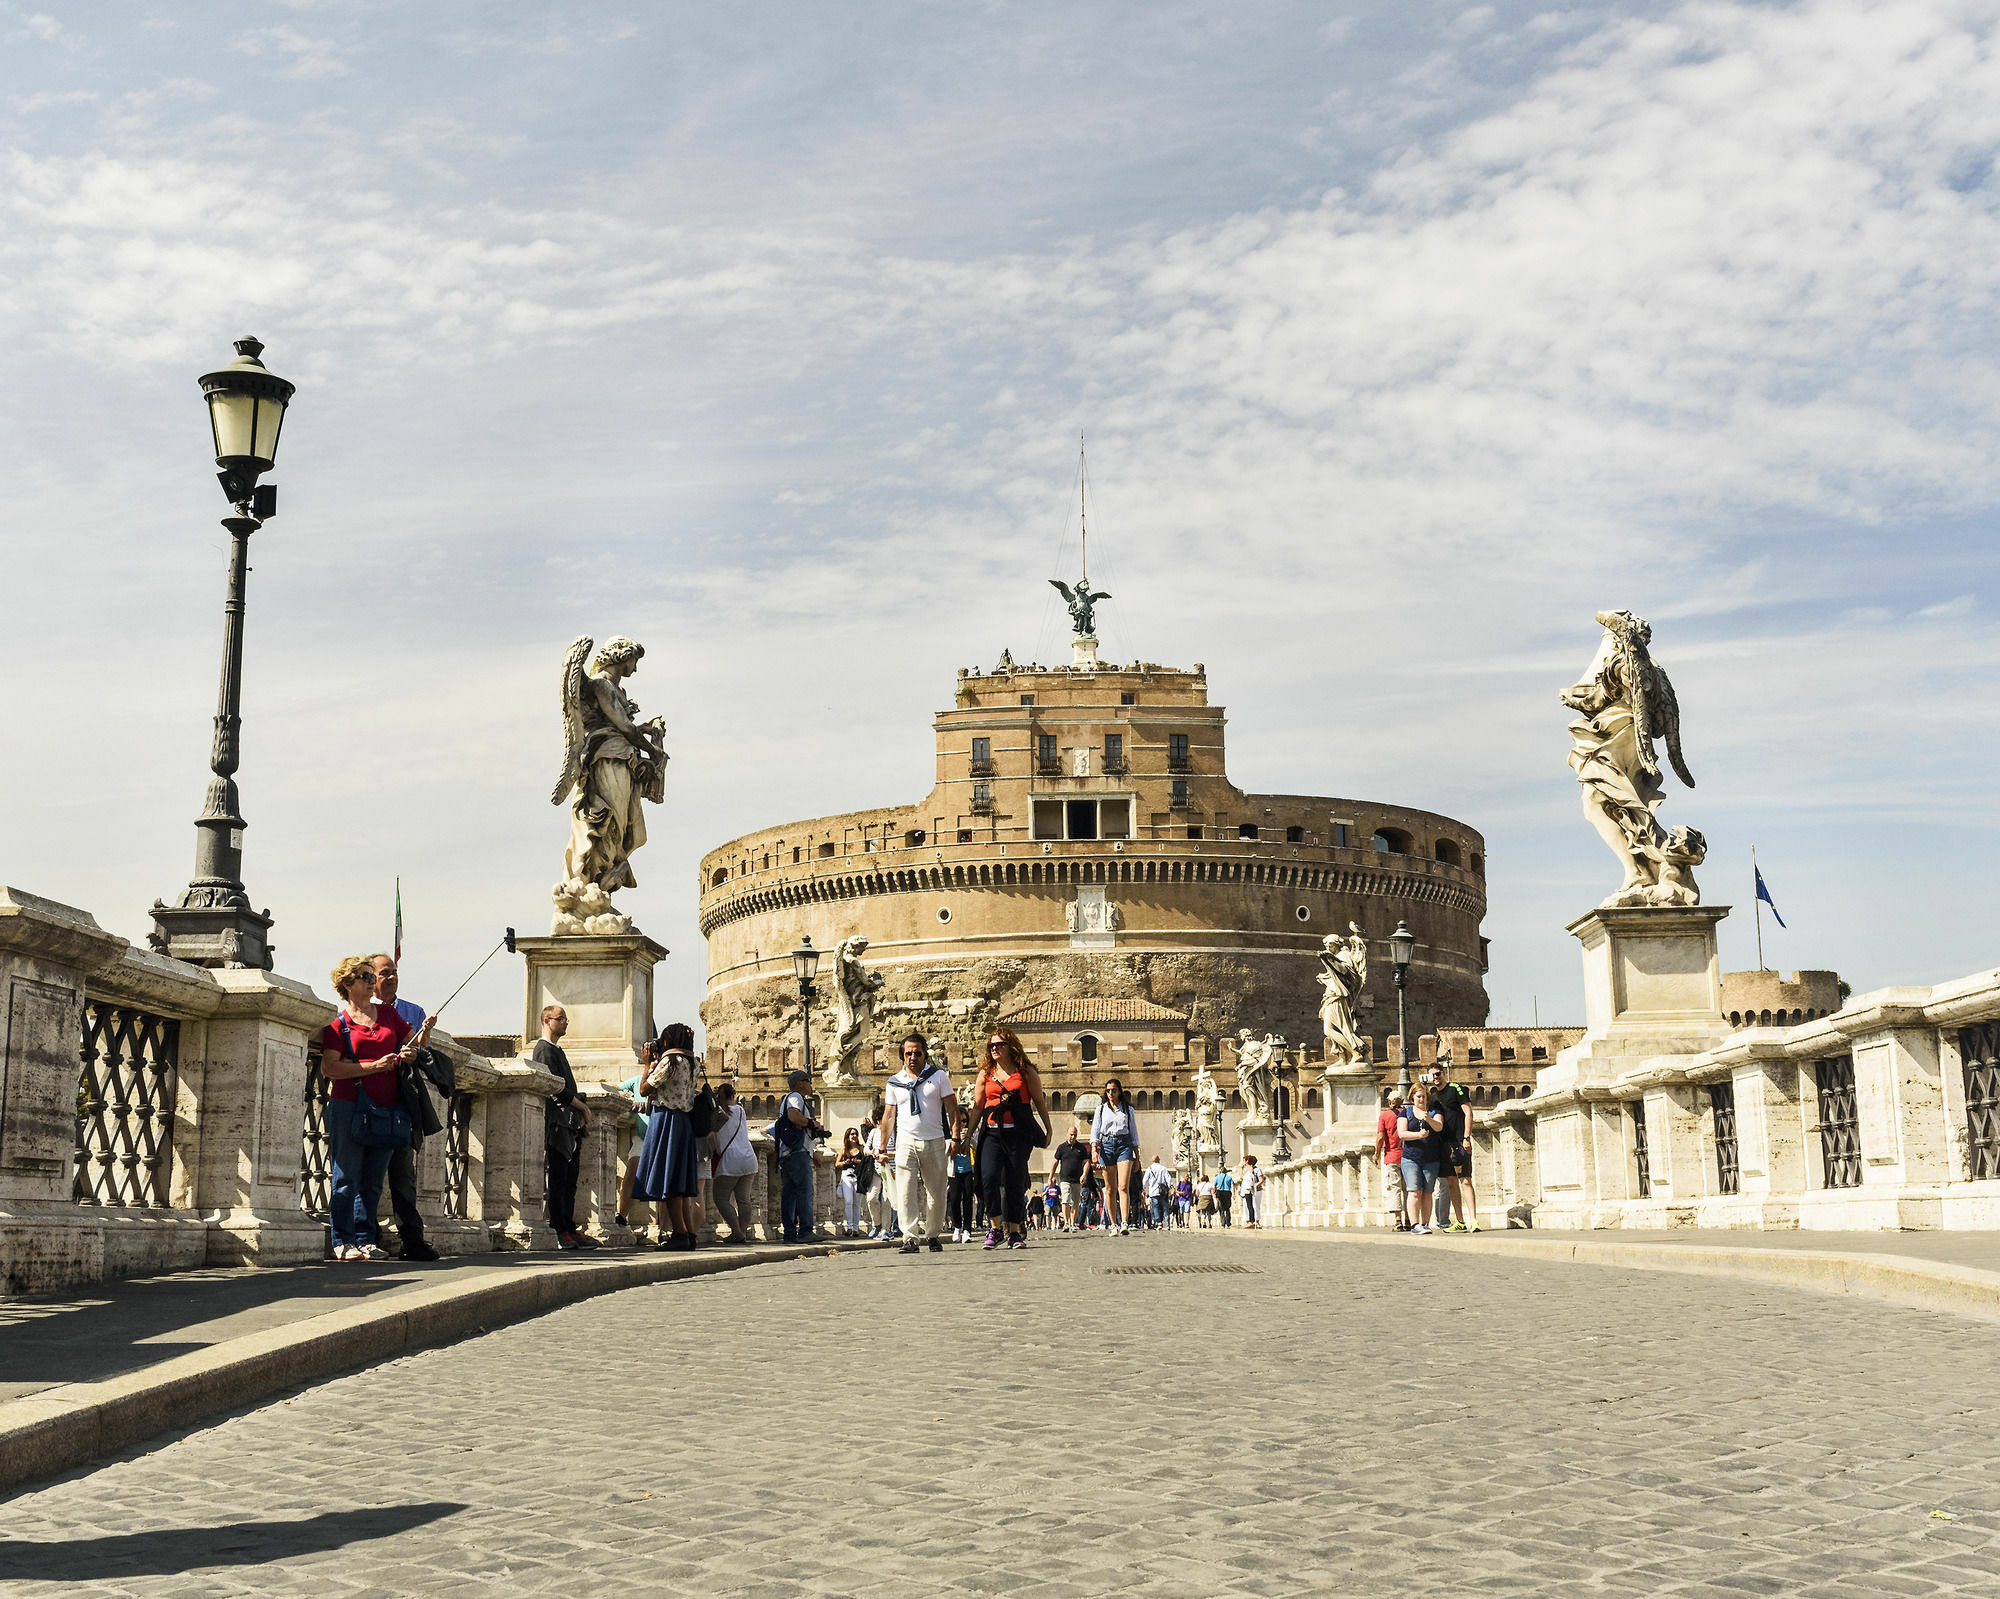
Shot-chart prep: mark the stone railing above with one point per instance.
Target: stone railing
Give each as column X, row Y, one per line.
column 157, row 1116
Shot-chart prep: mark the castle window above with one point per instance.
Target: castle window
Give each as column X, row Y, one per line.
column 796, row 853
column 1539, row 1052
column 982, row 757
column 1082, row 818
column 1179, row 801
column 1194, row 832
column 1027, row 699
column 1340, row 835
column 1086, row 1049
column 1446, row 851
column 1478, row 864
column 1048, row 758
column 965, row 835
column 717, row 878
column 1392, row 841
column 1177, row 752
column 1114, row 752
column 1475, row 1054
column 826, row 851
column 1246, row 829
column 1303, row 913
column 914, row 837
column 1506, row 1052
column 1128, row 699
column 1295, row 835
column 1048, row 819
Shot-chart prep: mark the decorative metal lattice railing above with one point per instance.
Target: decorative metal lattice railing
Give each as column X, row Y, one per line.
column 1639, row 1153
column 457, row 1157
column 315, row 1168
column 1722, row 1106
column 1979, row 1049
column 125, row 1106
column 1839, row 1122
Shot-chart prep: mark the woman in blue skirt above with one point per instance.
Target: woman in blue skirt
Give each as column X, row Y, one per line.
column 667, row 1171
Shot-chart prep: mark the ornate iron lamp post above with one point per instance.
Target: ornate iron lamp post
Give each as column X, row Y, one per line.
column 805, row 962
column 213, row 924
column 1402, row 945
column 1281, row 1150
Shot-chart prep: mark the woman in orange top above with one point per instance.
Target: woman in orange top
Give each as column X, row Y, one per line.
column 1007, row 1095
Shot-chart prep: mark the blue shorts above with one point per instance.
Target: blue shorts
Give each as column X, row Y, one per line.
column 1117, row 1148
column 1419, row 1176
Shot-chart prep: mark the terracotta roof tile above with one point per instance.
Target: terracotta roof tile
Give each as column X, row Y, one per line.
column 1071, row 1012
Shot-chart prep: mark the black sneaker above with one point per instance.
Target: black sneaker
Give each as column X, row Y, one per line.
column 418, row 1251
column 910, row 1247
column 937, row 1246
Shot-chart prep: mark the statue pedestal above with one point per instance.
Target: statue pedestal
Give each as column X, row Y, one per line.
column 1352, row 1095
column 845, row 1107
column 1083, row 652
column 604, row 981
column 1652, row 993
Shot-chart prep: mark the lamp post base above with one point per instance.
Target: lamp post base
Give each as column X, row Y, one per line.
column 213, row 926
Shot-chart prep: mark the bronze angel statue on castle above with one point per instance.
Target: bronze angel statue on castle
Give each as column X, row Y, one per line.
column 1625, row 703
column 612, row 762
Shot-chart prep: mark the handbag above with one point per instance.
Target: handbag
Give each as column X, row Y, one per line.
column 701, row 1112
column 374, row 1126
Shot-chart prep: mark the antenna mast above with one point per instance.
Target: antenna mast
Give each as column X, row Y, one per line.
column 1082, row 513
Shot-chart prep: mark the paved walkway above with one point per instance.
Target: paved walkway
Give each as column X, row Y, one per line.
column 1329, row 1421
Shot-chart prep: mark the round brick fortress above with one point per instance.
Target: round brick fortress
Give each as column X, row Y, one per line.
column 1083, row 852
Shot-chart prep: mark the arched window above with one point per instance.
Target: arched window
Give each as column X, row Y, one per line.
column 1446, row 851
column 717, row 877
column 1393, row 841
column 1478, row 864
column 1086, row 1049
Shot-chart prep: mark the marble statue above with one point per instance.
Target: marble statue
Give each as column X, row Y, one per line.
column 1183, row 1140
column 1207, row 1113
column 1082, row 605
column 1343, row 971
column 854, row 989
column 1256, row 1080
column 1624, row 702
column 612, row 764
column 1114, row 918
column 1080, row 764
column 1073, row 916
column 934, row 1050
column 1005, row 664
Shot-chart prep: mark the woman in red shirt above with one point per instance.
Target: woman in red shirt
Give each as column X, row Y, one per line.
column 359, row 1050
column 1007, row 1094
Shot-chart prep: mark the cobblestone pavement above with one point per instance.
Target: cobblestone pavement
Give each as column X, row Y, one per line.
column 1336, row 1421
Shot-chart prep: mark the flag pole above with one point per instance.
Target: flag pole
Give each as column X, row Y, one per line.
column 1757, row 907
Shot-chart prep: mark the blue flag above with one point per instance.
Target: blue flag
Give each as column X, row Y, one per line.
column 1764, row 894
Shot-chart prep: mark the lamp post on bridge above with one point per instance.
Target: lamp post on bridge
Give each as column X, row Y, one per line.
column 1402, row 945
column 213, row 923
column 805, row 964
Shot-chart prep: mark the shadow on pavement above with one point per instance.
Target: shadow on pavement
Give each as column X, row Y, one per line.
column 178, row 1549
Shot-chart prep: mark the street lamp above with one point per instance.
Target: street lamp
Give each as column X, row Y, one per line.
column 1281, row 1151
column 1402, row 945
column 805, row 963
column 213, row 925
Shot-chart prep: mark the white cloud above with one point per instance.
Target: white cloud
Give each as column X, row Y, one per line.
column 303, row 55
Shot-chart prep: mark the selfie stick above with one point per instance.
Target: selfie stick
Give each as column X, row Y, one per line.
column 506, row 938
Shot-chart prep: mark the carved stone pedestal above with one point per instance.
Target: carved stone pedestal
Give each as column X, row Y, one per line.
column 604, row 981
column 1652, row 988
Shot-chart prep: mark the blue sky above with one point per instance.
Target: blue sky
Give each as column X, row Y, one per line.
column 1405, row 338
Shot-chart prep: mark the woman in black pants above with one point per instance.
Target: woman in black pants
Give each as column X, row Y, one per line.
column 1006, row 1098
column 958, row 1188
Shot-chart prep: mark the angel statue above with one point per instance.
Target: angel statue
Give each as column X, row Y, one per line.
column 854, row 1008
column 1343, row 970
column 1624, row 702
column 1207, row 1113
column 1184, row 1140
column 1082, row 605
column 611, row 763
column 1255, row 1078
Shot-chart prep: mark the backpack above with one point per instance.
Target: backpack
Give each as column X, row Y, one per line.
column 789, row 1139
column 701, row 1113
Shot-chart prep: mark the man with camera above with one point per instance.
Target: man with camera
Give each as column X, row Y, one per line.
column 794, row 1133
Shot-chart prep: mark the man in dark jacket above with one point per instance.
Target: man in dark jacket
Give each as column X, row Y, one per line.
column 568, row 1122
column 403, row 1163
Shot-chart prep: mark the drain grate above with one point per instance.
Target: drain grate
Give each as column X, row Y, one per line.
column 1173, row 1271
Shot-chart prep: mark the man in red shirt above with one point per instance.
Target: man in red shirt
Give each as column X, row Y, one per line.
column 1389, row 1151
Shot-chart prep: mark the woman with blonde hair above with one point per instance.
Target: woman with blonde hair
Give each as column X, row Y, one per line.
column 359, row 1051
column 1006, row 1098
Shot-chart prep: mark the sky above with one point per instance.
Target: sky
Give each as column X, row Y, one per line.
column 1404, row 339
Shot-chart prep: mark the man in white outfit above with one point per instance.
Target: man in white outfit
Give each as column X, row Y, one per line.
column 918, row 1107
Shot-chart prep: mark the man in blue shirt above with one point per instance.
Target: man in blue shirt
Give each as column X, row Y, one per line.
column 403, row 1163
column 1225, row 1185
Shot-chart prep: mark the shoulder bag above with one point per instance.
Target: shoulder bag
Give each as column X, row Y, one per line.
column 373, row 1126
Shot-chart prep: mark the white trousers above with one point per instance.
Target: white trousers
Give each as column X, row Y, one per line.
column 851, row 1200
column 922, row 1164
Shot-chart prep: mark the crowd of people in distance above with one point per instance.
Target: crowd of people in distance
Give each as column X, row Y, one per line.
column 1424, row 1142
column 924, row 1170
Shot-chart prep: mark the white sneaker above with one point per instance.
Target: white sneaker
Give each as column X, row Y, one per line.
column 371, row 1252
column 347, row 1252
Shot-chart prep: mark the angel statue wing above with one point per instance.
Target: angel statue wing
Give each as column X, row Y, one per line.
column 1062, row 588
column 1663, row 716
column 572, row 714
